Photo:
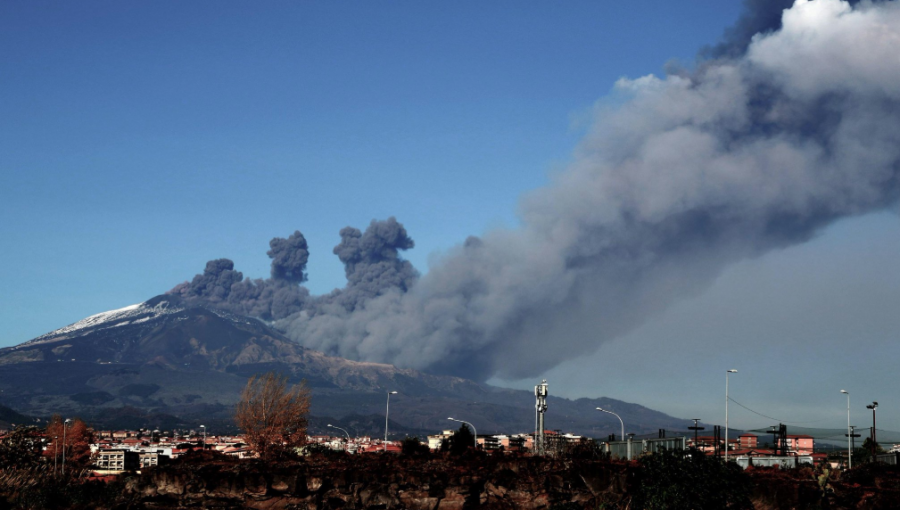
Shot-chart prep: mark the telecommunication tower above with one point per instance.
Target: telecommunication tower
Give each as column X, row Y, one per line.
column 540, row 407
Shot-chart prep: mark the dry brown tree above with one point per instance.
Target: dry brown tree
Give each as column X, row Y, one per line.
column 272, row 416
column 73, row 446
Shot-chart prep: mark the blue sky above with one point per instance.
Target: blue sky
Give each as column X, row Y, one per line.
column 138, row 141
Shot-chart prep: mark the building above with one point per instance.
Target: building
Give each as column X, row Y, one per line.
column 435, row 441
column 748, row 441
column 707, row 444
column 117, row 460
column 800, row 444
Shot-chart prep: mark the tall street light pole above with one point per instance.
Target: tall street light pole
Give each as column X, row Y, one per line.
column 474, row 432
column 204, row 435
column 849, row 433
column 55, row 454
column 387, row 410
column 65, row 426
column 617, row 416
column 873, row 407
column 732, row 371
column 344, row 431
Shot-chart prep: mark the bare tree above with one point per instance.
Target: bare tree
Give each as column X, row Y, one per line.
column 273, row 417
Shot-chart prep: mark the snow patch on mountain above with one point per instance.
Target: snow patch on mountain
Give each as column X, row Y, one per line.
column 141, row 312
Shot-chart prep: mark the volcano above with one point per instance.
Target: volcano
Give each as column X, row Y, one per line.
column 166, row 356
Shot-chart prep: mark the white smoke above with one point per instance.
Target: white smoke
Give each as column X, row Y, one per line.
column 692, row 172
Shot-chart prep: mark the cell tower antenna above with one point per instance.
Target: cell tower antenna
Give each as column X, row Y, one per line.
column 540, row 406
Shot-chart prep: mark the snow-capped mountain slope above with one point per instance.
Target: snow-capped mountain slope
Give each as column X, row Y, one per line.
column 136, row 314
column 148, row 311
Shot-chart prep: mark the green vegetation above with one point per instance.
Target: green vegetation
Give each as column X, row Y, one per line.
column 459, row 442
column 414, row 447
column 690, row 479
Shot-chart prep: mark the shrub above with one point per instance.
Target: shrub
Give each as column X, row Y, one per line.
column 692, row 480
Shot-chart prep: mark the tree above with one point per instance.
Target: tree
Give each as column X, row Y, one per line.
column 414, row 447
column 459, row 442
column 872, row 447
column 21, row 448
column 273, row 417
column 76, row 442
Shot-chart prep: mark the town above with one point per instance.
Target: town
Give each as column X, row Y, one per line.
column 117, row 451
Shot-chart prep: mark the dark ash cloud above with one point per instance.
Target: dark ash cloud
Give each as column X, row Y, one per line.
column 372, row 261
column 372, row 264
column 289, row 257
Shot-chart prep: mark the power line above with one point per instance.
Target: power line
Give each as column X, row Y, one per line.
column 770, row 417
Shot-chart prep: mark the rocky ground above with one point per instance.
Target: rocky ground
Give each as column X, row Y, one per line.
column 376, row 481
column 432, row 482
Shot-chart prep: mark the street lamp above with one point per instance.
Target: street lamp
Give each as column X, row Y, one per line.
column 55, row 453
column 873, row 406
column 474, row 432
column 387, row 410
column 732, row 371
column 65, row 426
column 617, row 416
column 345, row 432
column 204, row 435
column 849, row 433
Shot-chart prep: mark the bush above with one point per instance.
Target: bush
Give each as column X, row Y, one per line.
column 412, row 446
column 459, row 442
column 691, row 480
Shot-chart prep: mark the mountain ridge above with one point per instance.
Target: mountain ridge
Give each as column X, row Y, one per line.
column 167, row 356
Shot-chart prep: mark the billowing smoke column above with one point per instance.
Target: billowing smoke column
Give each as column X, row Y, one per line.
column 372, row 263
column 289, row 257
column 220, row 285
column 758, row 149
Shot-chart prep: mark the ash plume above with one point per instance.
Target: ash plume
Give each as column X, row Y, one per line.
column 274, row 298
column 688, row 175
column 756, row 150
column 372, row 264
column 289, row 257
column 757, row 17
column 372, row 261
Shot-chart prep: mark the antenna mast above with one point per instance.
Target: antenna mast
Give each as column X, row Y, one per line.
column 540, row 406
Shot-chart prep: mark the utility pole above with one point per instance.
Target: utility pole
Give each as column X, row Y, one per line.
column 732, row 371
column 849, row 433
column 696, row 428
column 852, row 438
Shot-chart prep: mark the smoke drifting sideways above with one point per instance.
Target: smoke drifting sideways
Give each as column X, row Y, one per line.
column 751, row 152
column 372, row 264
